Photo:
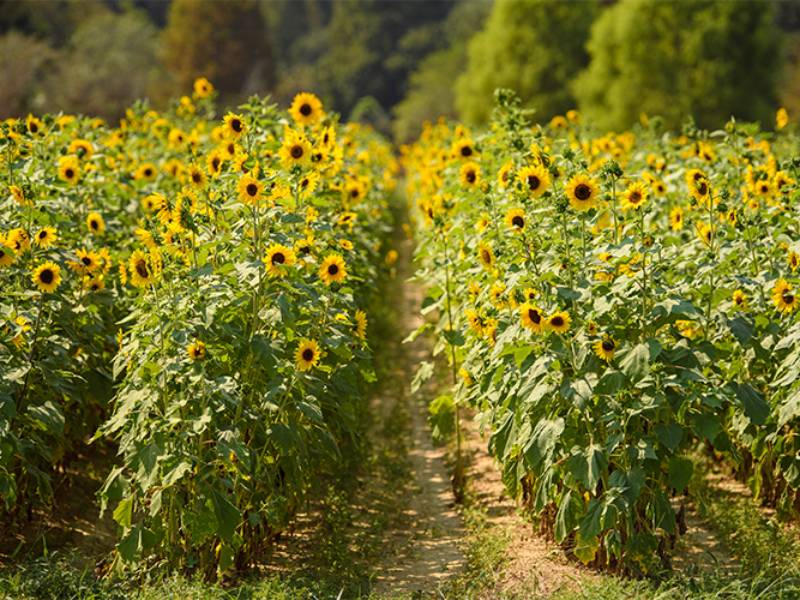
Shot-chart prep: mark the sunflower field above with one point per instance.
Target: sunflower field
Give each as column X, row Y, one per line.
column 190, row 290
column 615, row 307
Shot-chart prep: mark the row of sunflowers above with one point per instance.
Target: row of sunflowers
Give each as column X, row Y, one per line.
column 191, row 291
column 615, row 308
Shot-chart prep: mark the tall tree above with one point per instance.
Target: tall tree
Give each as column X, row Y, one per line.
column 535, row 47
column 700, row 57
column 224, row 41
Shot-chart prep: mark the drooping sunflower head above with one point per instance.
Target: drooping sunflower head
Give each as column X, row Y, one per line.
column 582, row 192
column 361, row 324
column 704, row 233
column 605, row 348
column 95, row 223
column 47, row 277
column 278, row 259
column 307, row 355
column 306, row 109
column 559, row 321
column 333, row 269
column 534, row 180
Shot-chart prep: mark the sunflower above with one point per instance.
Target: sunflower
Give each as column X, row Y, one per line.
column 504, row 175
column 196, row 350
column 739, row 299
column 698, row 184
column 530, row 294
column 18, row 193
column 295, row 149
column 47, row 276
column 470, row 174
column 153, row 202
column 676, row 218
column 534, row 180
column 704, row 233
column 94, row 284
column 95, row 223
column 7, row 255
column 333, row 268
column 307, row 184
column 141, row 269
column 234, row 125
column 250, row 190
column 486, row 255
column 582, row 192
column 19, row 240
column 145, row 172
column 306, row 109
column 531, row 317
column 203, row 88
column 88, row 261
column 605, row 348
column 278, row 258
column 307, row 355
column 361, row 324
column 515, row 219
column 46, row 237
column 781, row 118
column 464, row 149
column 68, row 169
column 34, row 125
column 197, row 176
column 634, row 197
column 559, row 321
column 783, row 296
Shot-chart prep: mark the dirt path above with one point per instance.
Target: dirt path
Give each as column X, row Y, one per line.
column 429, row 552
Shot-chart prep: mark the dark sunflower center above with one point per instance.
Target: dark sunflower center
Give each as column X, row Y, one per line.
column 788, row 298
column 557, row 321
column 47, row 276
column 764, row 188
column 94, row 224
column 215, row 163
column 486, row 257
column 466, row 151
column 471, row 176
column 635, row 197
column 197, row 176
column 141, row 269
column 304, row 183
column 252, row 189
column 583, row 192
column 296, row 151
column 702, row 188
column 69, row 173
column 354, row 193
column 518, row 221
column 86, row 261
column 236, row 125
column 278, row 258
column 95, row 286
column 308, row 355
column 608, row 345
column 42, row 235
column 305, row 110
column 534, row 182
column 333, row 269
column 534, row 316
column 34, row 127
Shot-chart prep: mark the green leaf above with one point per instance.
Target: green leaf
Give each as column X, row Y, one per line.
column 442, row 418
column 680, row 472
column 789, row 409
column 228, row 516
column 177, row 473
column 752, row 402
column 742, row 329
column 610, row 383
column 588, row 466
column 636, row 362
column 123, row 514
column 48, row 417
column 424, row 372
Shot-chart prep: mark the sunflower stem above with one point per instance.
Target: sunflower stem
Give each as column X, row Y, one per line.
column 453, row 364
